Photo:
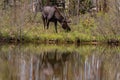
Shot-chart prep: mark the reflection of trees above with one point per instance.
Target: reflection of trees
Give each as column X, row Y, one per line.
column 101, row 64
column 111, row 64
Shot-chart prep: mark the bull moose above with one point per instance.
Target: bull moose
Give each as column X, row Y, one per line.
column 52, row 14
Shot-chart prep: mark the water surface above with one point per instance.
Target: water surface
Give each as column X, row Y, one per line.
column 63, row 62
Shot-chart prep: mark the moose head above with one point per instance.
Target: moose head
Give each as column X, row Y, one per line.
column 65, row 25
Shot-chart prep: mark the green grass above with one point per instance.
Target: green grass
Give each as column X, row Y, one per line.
column 36, row 33
column 86, row 31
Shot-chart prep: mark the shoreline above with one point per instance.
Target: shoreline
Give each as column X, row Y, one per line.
column 57, row 41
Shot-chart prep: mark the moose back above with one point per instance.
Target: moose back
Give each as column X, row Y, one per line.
column 52, row 14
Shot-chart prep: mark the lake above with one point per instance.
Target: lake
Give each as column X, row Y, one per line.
column 59, row 62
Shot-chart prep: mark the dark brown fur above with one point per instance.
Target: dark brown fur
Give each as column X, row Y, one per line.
column 52, row 14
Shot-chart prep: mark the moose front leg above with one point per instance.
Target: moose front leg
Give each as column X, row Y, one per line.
column 48, row 24
column 44, row 21
column 56, row 26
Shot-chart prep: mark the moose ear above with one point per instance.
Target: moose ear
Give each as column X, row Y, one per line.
column 69, row 21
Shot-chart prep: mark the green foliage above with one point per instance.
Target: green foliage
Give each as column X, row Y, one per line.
column 86, row 30
column 86, row 5
column 19, row 23
column 107, row 26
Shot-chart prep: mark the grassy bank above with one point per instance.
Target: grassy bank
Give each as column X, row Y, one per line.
column 36, row 34
column 90, row 30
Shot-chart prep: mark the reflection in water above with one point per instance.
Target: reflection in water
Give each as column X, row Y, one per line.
column 92, row 68
column 81, row 63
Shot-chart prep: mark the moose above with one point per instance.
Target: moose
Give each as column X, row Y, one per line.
column 52, row 14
